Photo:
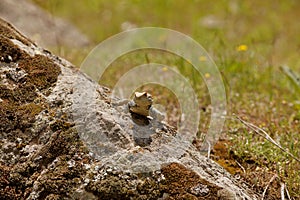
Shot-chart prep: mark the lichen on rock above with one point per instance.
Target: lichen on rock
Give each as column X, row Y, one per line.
column 55, row 144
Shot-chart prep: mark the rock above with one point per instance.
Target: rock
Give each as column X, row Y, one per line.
column 62, row 138
column 48, row 31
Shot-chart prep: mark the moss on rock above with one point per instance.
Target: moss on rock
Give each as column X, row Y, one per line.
column 183, row 183
column 42, row 72
column 17, row 107
column 9, row 52
column 8, row 31
column 47, row 158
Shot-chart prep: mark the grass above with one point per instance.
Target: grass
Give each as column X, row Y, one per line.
column 257, row 90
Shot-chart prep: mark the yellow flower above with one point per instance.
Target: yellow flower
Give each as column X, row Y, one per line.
column 165, row 69
column 242, row 47
column 202, row 58
column 206, row 75
column 262, row 125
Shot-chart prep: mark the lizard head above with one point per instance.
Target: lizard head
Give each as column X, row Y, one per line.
column 143, row 99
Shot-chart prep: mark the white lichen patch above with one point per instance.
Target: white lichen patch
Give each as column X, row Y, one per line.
column 8, row 152
column 11, row 74
column 31, row 149
column 31, row 50
column 71, row 163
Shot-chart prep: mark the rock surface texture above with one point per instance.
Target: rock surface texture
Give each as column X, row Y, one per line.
column 50, row 146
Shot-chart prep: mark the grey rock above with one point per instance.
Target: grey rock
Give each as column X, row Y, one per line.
column 62, row 138
column 46, row 30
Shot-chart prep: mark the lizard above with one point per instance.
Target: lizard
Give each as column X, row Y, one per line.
column 141, row 104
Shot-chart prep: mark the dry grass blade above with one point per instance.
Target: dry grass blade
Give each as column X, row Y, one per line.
column 266, row 188
column 287, row 192
column 282, row 186
column 292, row 75
column 264, row 134
column 241, row 166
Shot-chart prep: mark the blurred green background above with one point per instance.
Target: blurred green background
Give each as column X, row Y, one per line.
column 269, row 28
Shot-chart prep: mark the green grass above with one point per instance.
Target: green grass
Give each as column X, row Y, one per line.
column 256, row 88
